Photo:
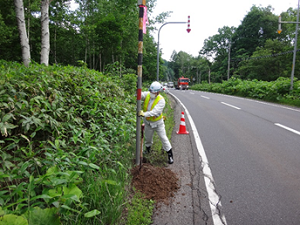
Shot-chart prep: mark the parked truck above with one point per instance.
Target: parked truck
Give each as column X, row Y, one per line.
column 182, row 83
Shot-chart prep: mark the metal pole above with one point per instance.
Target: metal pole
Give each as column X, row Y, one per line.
column 142, row 4
column 157, row 61
column 295, row 50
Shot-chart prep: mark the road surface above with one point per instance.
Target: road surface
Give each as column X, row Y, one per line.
column 253, row 150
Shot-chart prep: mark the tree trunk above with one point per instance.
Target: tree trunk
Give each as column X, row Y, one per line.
column 120, row 66
column 100, row 60
column 28, row 20
column 45, row 49
column 19, row 7
column 86, row 51
column 55, row 60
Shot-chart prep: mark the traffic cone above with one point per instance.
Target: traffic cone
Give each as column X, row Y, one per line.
column 182, row 129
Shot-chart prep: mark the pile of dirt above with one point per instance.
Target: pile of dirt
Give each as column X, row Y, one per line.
column 156, row 183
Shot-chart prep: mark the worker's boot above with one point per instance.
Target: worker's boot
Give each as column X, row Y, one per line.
column 170, row 156
column 148, row 149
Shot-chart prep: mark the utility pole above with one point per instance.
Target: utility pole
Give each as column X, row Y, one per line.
column 157, row 61
column 228, row 69
column 209, row 75
column 197, row 74
column 295, row 44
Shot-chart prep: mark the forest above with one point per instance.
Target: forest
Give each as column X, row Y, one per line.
column 253, row 50
column 104, row 35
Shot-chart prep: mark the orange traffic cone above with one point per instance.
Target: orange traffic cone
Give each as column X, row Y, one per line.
column 182, row 129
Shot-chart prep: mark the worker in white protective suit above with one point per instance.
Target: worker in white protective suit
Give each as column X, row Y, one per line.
column 153, row 107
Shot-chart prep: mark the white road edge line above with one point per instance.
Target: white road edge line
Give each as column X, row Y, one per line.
column 213, row 198
column 287, row 128
column 231, row 105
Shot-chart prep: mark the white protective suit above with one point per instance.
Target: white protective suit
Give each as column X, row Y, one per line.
column 158, row 126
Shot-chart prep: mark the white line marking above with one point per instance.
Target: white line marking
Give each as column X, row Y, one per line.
column 213, row 197
column 231, row 105
column 287, row 128
column 205, row 97
column 257, row 101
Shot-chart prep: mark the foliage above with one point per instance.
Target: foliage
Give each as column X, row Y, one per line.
column 274, row 91
column 256, row 51
column 98, row 32
column 264, row 66
column 66, row 143
column 259, row 25
column 140, row 210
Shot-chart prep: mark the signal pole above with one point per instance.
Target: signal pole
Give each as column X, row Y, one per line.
column 295, row 44
column 157, row 61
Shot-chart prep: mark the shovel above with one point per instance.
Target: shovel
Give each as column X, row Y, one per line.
column 142, row 140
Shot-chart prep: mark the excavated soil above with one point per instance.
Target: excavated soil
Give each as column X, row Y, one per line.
column 157, row 183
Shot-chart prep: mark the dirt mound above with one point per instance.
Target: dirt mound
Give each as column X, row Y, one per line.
column 155, row 182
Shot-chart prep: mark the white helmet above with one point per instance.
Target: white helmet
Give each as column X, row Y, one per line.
column 155, row 87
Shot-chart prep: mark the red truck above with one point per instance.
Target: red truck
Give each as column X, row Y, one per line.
column 182, row 83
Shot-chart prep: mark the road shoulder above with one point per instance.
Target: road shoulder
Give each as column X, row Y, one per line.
column 190, row 203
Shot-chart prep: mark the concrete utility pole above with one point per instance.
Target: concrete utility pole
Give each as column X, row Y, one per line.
column 228, row 69
column 295, row 44
column 141, row 4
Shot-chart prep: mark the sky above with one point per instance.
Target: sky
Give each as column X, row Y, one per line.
column 206, row 17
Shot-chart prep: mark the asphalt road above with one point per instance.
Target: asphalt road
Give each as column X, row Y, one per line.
column 253, row 150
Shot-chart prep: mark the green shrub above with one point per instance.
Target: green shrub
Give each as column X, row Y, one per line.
column 66, row 140
column 274, row 91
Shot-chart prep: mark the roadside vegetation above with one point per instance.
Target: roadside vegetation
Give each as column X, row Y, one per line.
column 277, row 91
column 67, row 143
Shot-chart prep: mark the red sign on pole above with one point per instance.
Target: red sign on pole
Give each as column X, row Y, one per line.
column 188, row 28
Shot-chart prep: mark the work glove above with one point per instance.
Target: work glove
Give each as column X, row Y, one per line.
column 141, row 113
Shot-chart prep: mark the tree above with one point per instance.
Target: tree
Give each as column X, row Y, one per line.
column 181, row 64
column 45, row 45
column 218, row 46
column 265, row 64
column 4, row 34
column 259, row 25
column 100, row 32
column 200, row 68
column 150, row 59
column 19, row 6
